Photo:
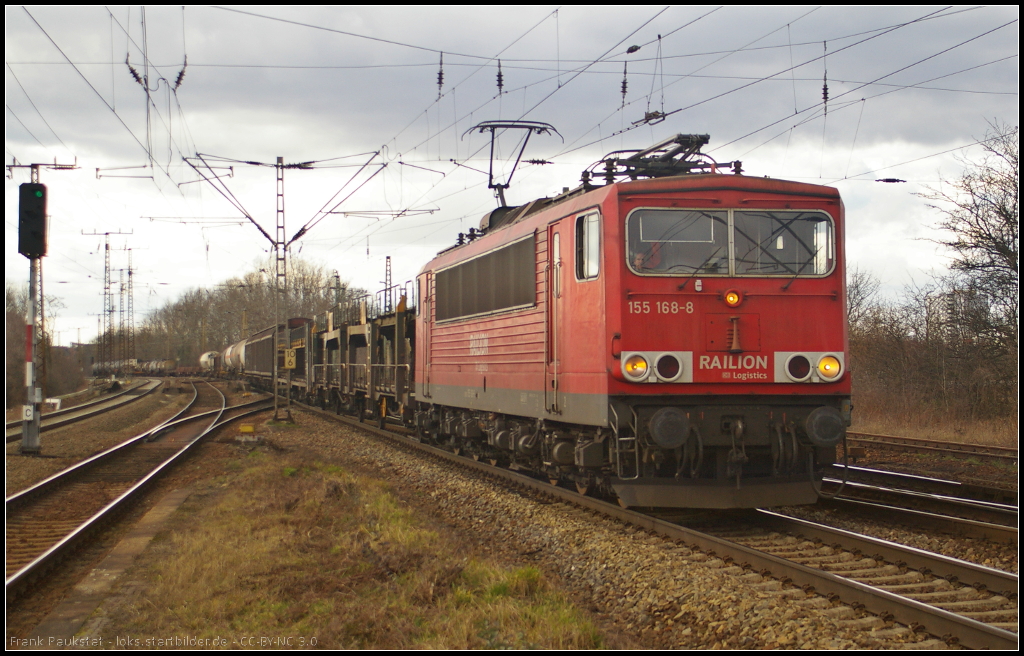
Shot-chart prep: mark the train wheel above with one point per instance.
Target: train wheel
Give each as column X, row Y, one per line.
column 582, row 489
column 382, row 414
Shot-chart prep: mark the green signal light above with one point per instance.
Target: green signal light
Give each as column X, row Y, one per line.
column 39, row 194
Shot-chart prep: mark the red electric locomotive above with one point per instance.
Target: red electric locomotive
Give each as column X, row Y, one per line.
column 676, row 335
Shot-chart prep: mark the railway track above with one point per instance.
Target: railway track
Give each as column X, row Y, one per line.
column 965, row 590
column 926, row 484
column 951, row 507
column 59, row 418
column 918, row 445
column 15, row 423
column 58, row 515
column 886, row 493
column 964, row 603
column 929, row 521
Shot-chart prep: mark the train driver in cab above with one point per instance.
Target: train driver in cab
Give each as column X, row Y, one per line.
column 647, row 257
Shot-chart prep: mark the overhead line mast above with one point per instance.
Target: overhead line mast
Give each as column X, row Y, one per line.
column 281, row 289
column 105, row 340
column 280, row 244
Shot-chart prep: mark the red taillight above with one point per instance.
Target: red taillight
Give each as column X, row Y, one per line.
column 798, row 367
column 668, row 367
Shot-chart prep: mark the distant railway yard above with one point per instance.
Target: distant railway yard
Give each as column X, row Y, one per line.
column 322, row 533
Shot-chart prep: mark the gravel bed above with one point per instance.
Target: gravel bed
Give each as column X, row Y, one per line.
column 666, row 594
column 973, row 550
column 237, row 394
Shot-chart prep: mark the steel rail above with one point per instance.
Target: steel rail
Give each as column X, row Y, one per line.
column 996, row 512
column 16, row 582
column 81, row 406
column 935, row 446
column 978, row 504
column 13, row 435
column 225, row 422
column 936, row 621
column 1004, row 583
column 19, row 498
column 958, row 489
column 932, row 521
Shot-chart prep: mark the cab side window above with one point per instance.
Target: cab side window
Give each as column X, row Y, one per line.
column 588, row 246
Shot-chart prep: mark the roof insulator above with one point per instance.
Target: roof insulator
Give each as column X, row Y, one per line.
column 135, row 73
column 440, row 76
column 181, row 74
column 624, row 83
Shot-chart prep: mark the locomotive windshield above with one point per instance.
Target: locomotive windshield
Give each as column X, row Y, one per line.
column 762, row 243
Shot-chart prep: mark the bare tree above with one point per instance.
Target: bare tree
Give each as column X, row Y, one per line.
column 861, row 297
column 981, row 211
column 15, row 313
column 210, row 319
column 63, row 373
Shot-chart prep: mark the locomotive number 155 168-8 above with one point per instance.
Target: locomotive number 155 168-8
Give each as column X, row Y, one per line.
column 660, row 307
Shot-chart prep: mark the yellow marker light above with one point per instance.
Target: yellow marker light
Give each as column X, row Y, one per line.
column 829, row 367
column 636, row 366
column 733, row 298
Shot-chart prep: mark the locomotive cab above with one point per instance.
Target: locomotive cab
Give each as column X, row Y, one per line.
column 729, row 347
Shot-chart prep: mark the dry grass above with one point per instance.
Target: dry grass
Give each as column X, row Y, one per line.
column 871, row 415
column 292, row 550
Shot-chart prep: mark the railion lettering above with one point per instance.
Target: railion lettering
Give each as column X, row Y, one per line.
column 734, row 362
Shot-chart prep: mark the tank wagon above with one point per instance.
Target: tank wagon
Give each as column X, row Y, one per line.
column 210, row 362
column 135, row 367
column 675, row 336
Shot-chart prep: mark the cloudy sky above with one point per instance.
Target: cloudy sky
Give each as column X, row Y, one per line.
column 355, row 90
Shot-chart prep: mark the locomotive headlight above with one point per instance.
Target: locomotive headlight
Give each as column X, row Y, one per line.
column 636, row 366
column 829, row 367
column 733, row 298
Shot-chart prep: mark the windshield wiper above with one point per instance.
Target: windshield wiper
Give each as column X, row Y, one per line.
column 798, row 271
column 697, row 270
